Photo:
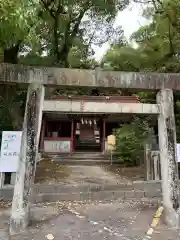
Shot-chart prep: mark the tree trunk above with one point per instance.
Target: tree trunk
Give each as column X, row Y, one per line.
column 11, row 54
column 56, row 41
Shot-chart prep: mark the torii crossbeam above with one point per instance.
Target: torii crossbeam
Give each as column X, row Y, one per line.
column 10, row 73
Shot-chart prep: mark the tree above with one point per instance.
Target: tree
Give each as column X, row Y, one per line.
column 54, row 27
column 76, row 25
column 158, row 44
column 50, row 33
column 123, row 57
column 17, row 26
column 157, row 47
column 130, row 140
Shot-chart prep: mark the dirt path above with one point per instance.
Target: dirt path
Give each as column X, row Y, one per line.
column 51, row 172
column 94, row 174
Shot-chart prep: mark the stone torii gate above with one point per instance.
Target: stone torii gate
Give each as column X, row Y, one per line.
column 37, row 78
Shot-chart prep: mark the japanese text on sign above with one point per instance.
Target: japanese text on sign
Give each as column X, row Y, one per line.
column 10, row 149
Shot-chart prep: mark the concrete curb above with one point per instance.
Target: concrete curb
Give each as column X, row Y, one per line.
column 94, row 196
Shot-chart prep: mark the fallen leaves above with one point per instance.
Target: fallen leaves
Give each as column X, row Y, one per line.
column 50, row 237
column 5, row 204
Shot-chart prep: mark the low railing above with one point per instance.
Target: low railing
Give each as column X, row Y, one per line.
column 152, row 163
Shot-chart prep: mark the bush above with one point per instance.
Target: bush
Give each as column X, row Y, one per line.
column 130, row 140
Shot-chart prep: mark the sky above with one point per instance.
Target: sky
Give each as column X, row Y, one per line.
column 130, row 19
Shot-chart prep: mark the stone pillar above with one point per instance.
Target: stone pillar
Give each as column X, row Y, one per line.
column 72, row 135
column 167, row 146
column 148, row 173
column 27, row 159
column 13, row 178
column 41, row 140
column 155, row 165
column 103, row 136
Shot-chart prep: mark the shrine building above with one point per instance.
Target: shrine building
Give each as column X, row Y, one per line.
column 81, row 123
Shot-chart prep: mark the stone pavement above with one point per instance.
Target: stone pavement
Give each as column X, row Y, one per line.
column 115, row 220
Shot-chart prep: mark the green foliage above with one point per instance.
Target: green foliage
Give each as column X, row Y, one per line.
column 68, row 30
column 154, row 47
column 157, row 43
column 12, row 107
column 49, row 33
column 17, row 22
column 64, row 31
column 122, row 58
column 130, row 140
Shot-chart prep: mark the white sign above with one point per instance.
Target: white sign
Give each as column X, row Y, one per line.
column 178, row 152
column 10, row 149
column 57, row 146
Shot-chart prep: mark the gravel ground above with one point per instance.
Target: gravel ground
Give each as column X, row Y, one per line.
column 49, row 171
column 85, row 221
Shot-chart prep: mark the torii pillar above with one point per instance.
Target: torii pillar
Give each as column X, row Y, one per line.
column 27, row 159
column 169, row 168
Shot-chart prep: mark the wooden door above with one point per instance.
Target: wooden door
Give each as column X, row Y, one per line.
column 86, row 132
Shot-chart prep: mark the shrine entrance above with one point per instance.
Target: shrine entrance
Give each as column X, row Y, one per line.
column 88, row 135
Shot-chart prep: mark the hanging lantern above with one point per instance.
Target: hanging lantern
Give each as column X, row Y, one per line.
column 86, row 121
column 82, row 120
column 95, row 121
column 90, row 122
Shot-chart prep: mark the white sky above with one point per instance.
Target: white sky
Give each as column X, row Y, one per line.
column 130, row 20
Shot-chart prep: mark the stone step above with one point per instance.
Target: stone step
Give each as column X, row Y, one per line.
column 88, row 196
column 97, row 196
column 85, row 162
column 57, row 188
column 83, row 159
column 59, row 192
column 79, row 156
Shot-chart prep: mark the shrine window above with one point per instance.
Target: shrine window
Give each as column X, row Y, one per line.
column 58, row 129
column 95, row 92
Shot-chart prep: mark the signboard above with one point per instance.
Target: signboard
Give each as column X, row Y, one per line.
column 57, row 146
column 10, row 149
column 111, row 140
column 178, row 152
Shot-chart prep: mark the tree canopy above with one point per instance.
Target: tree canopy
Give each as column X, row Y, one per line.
column 56, row 32
column 153, row 47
